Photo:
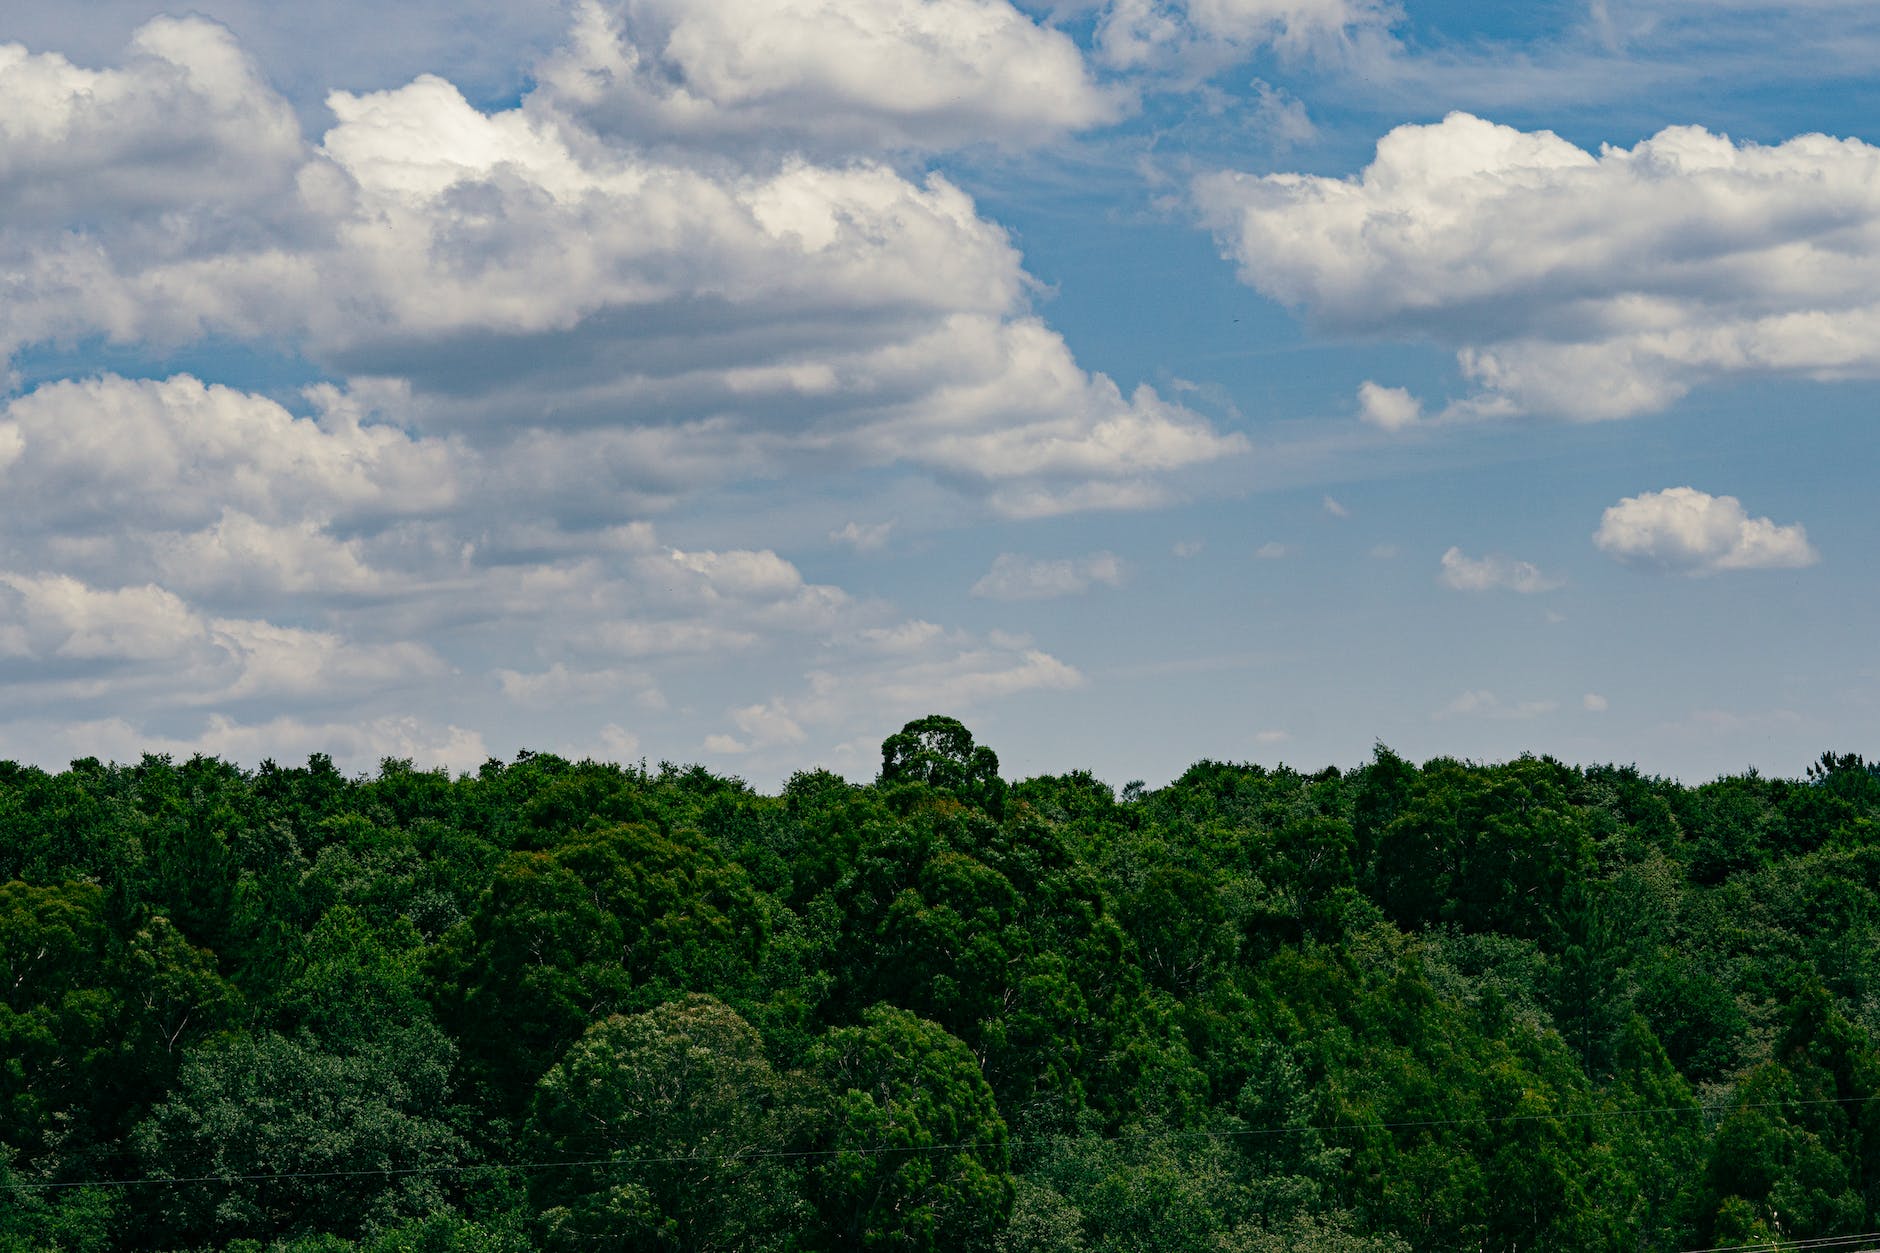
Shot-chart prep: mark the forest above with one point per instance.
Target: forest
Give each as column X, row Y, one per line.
column 579, row 1005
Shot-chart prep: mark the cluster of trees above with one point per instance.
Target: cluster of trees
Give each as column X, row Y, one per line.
column 577, row 1005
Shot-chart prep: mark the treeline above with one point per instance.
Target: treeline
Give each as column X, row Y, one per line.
column 575, row 1005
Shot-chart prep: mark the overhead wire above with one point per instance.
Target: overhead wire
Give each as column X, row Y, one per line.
column 615, row 1160
column 1786, row 1246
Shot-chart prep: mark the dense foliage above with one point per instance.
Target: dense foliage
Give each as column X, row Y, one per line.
column 578, row 1005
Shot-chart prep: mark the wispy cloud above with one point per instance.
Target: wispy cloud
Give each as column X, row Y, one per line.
column 1015, row 577
column 1497, row 570
column 1482, row 703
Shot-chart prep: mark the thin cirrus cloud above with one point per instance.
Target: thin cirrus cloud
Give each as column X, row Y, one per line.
column 1587, row 285
column 1015, row 577
column 1494, row 571
column 1483, row 703
column 1684, row 531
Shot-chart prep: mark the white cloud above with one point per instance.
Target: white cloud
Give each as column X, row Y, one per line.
column 1272, row 550
column 1280, row 118
column 767, row 726
column 872, row 537
column 281, row 662
column 1479, row 574
column 1384, row 552
column 178, row 453
column 943, row 671
column 1039, row 500
column 353, row 745
column 1270, row 738
column 55, row 616
column 903, row 638
column 626, row 639
column 1006, row 401
column 1682, row 530
column 1334, row 508
column 486, row 44
column 618, row 744
column 651, row 320
column 1481, row 703
column 1591, row 285
column 539, row 324
column 1593, row 703
column 1185, row 549
column 89, row 641
column 560, row 685
column 1014, row 577
column 844, row 74
column 187, row 117
column 1194, row 38
column 1388, row 408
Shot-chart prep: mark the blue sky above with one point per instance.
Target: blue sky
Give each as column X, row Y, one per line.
column 1137, row 380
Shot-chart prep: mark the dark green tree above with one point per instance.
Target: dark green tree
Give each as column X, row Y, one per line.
column 683, row 1129
column 915, row 1150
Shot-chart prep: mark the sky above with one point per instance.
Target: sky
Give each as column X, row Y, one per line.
column 1138, row 381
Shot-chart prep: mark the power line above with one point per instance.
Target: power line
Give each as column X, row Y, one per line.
column 389, row 1172
column 1784, row 1246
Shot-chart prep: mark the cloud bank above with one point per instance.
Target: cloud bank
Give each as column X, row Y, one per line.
column 660, row 320
column 698, row 255
column 1581, row 284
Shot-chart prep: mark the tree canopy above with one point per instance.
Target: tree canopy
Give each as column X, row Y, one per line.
column 560, row 1004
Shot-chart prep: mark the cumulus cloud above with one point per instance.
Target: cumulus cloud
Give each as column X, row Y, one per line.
column 1589, row 285
column 687, row 267
column 51, row 617
column 179, row 453
column 1684, row 531
column 1593, row 703
column 847, row 75
column 293, row 662
column 1388, row 408
column 85, row 641
column 374, row 563
column 221, row 495
column 653, row 321
column 1480, row 574
column 1014, row 577
column 1334, row 507
column 186, row 117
